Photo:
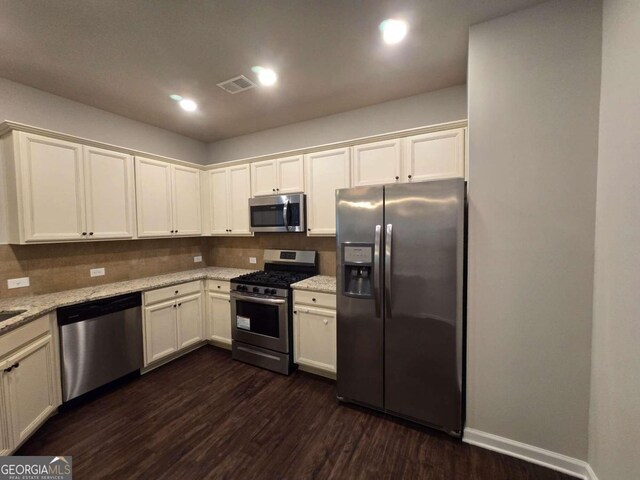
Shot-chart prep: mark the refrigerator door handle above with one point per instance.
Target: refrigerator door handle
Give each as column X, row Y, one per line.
column 377, row 268
column 387, row 268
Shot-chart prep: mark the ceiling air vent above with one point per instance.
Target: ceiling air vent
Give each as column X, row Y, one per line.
column 237, row 84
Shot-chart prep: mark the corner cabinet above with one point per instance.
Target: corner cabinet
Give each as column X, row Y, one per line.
column 229, row 193
column 64, row 191
column 172, row 320
column 168, row 199
column 326, row 172
column 30, row 377
column 314, row 332
column 277, row 177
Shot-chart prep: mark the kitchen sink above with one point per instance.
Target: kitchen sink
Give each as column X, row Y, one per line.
column 10, row 314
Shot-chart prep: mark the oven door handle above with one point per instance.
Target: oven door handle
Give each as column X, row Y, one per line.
column 285, row 215
column 266, row 301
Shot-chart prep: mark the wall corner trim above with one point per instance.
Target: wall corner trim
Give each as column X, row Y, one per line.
column 529, row 453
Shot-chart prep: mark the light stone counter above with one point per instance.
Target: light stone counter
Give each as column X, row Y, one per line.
column 319, row 283
column 38, row 305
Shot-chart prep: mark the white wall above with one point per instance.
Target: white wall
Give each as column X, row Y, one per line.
column 41, row 109
column 614, row 434
column 441, row 106
column 533, row 82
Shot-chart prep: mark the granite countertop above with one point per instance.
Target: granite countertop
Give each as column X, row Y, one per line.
column 38, row 305
column 319, row 283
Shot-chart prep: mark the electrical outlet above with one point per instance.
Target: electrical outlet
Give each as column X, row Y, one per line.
column 197, row 258
column 97, row 272
column 18, row 282
column 252, row 260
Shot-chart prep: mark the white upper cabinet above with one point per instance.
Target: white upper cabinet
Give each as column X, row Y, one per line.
column 279, row 176
column 326, row 172
column 186, row 201
column 61, row 191
column 218, row 202
column 376, row 163
column 153, row 192
column 290, row 175
column 229, row 193
column 434, row 155
column 109, row 191
column 264, row 178
column 168, row 199
column 239, row 188
column 52, row 187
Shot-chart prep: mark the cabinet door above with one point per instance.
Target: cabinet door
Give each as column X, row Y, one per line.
column 434, row 155
column 314, row 342
column 239, row 193
column 186, row 201
column 160, row 330
column 219, row 318
column 218, row 201
column 264, row 178
column 5, row 437
column 52, row 189
column 30, row 388
column 326, row 172
column 190, row 325
column 153, row 194
column 290, row 175
column 109, row 193
column 376, row 163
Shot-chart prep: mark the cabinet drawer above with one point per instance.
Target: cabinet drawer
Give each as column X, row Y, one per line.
column 22, row 335
column 174, row 291
column 327, row 300
column 218, row 286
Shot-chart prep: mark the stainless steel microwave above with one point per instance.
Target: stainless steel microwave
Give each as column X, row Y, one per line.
column 277, row 213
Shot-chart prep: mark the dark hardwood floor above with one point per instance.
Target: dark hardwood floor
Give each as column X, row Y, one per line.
column 207, row 416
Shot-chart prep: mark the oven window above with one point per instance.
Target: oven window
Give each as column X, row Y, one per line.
column 272, row 215
column 263, row 319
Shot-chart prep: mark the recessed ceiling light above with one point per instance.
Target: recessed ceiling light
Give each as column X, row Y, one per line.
column 393, row 31
column 188, row 105
column 266, row 76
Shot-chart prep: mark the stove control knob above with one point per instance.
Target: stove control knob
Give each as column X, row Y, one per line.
column 256, row 290
column 273, row 291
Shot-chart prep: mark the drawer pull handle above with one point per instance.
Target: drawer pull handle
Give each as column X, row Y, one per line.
column 15, row 365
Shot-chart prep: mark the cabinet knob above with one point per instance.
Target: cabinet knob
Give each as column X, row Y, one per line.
column 409, row 176
column 218, row 286
column 273, row 189
column 176, row 231
column 84, row 233
column 308, row 229
column 295, row 312
column 397, row 178
column 177, row 292
column 90, row 233
column 277, row 189
column 313, row 299
column 174, row 305
column 171, row 231
column 180, row 304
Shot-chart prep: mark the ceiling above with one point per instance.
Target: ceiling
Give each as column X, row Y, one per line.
column 128, row 56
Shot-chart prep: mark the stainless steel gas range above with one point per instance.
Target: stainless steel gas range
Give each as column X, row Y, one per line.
column 261, row 309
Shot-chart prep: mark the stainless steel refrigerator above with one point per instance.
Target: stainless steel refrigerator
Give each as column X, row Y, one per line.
column 400, row 300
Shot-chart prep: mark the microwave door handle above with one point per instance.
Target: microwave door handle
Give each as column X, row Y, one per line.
column 377, row 268
column 387, row 268
column 285, row 215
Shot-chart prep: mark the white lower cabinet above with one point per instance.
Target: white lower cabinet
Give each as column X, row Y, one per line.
column 30, row 379
column 219, row 317
column 314, row 334
column 189, row 311
column 172, row 320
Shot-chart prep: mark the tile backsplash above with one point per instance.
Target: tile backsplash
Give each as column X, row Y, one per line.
column 64, row 266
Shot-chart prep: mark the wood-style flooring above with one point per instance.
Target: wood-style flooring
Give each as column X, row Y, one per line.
column 207, row 416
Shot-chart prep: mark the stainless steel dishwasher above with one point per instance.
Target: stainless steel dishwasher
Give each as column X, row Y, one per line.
column 100, row 341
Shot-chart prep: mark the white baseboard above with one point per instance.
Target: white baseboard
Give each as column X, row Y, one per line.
column 529, row 453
